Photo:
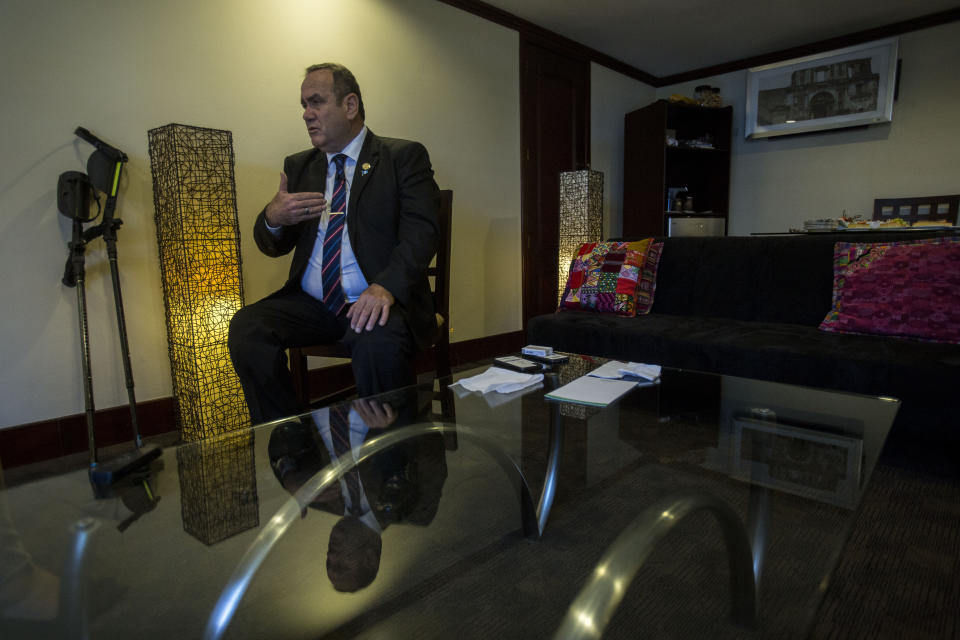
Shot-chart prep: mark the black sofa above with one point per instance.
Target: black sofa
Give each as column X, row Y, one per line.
column 750, row 307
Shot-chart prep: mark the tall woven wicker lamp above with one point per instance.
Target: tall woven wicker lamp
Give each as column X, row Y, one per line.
column 581, row 216
column 199, row 242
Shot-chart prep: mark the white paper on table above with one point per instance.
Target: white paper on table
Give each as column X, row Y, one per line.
column 640, row 370
column 615, row 369
column 591, row 390
column 499, row 380
column 609, row 369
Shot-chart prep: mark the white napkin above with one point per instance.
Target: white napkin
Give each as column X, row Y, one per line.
column 647, row 371
column 609, row 370
column 614, row 369
column 499, row 380
column 494, row 400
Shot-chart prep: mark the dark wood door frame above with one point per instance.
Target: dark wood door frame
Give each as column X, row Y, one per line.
column 555, row 137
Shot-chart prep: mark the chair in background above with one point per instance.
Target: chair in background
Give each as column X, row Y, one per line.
column 913, row 210
column 439, row 275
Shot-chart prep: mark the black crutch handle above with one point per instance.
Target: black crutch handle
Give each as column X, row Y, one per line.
column 114, row 153
column 69, row 278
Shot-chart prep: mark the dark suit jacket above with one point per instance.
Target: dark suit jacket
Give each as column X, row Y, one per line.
column 392, row 219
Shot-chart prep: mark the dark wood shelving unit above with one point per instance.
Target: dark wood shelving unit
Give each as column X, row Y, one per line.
column 652, row 165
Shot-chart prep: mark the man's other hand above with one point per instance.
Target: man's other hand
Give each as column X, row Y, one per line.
column 293, row 208
column 370, row 309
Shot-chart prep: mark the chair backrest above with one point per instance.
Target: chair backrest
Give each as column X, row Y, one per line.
column 913, row 210
column 440, row 271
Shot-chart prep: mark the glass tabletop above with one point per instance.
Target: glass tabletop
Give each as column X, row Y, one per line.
column 480, row 515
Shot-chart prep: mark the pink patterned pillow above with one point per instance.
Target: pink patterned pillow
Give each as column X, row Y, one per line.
column 604, row 276
column 898, row 289
column 847, row 254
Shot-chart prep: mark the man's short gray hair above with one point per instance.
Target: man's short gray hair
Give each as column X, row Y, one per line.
column 344, row 82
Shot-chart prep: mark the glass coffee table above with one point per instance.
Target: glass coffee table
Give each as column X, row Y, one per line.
column 469, row 515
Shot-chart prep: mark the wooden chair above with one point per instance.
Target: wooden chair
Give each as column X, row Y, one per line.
column 914, row 210
column 440, row 277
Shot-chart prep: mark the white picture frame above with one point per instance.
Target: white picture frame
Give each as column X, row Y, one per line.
column 847, row 87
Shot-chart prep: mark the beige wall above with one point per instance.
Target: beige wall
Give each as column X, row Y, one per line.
column 428, row 72
column 778, row 183
column 612, row 95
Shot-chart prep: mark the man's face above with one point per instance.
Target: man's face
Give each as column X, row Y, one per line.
column 329, row 124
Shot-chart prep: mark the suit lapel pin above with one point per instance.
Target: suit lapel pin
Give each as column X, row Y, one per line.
column 365, row 168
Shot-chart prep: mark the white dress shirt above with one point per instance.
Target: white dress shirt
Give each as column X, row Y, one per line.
column 351, row 278
column 358, row 434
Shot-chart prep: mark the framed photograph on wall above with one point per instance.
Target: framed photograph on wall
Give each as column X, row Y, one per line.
column 843, row 88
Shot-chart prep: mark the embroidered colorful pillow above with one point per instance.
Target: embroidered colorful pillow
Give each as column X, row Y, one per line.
column 899, row 288
column 846, row 254
column 648, row 279
column 604, row 277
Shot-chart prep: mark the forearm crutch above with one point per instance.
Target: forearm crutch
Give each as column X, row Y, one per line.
column 105, row 167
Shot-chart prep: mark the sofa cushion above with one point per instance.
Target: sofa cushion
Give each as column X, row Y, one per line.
column 604, row 275
column 897, row 289
column 647, row 285
column 771, row 279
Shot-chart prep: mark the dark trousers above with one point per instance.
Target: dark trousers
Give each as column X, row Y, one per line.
column 260, row 334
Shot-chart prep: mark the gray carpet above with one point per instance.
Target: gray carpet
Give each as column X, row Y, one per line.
column 898, row 578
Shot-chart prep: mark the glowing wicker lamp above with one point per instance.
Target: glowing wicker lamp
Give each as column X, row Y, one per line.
column 581, row 216
column 199, row 242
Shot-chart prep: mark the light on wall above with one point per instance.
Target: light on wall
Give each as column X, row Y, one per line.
column 198, row 238
column 581, row 216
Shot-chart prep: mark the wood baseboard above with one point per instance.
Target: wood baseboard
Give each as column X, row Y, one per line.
column 59, row 437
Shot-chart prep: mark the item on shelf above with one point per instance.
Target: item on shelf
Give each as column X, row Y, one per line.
column 675, row 198
column 688, row 204
column 703, row 94
column 932, row 223
column 682, row 99
column 820, row 224
column 703, row 142
column 855, row 222
column 715, row 100
column 893, row 223
column 708, row 96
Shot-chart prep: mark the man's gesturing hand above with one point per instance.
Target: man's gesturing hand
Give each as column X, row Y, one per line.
column 371, row 308
column 291, row 208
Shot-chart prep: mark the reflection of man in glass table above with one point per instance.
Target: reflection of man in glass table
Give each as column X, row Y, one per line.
column 400, row 484
column 790, row 463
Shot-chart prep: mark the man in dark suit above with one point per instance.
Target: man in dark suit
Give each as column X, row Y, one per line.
column 360, row 214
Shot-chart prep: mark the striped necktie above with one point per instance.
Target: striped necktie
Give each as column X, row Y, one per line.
column 340, row 434
column 332, row 289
